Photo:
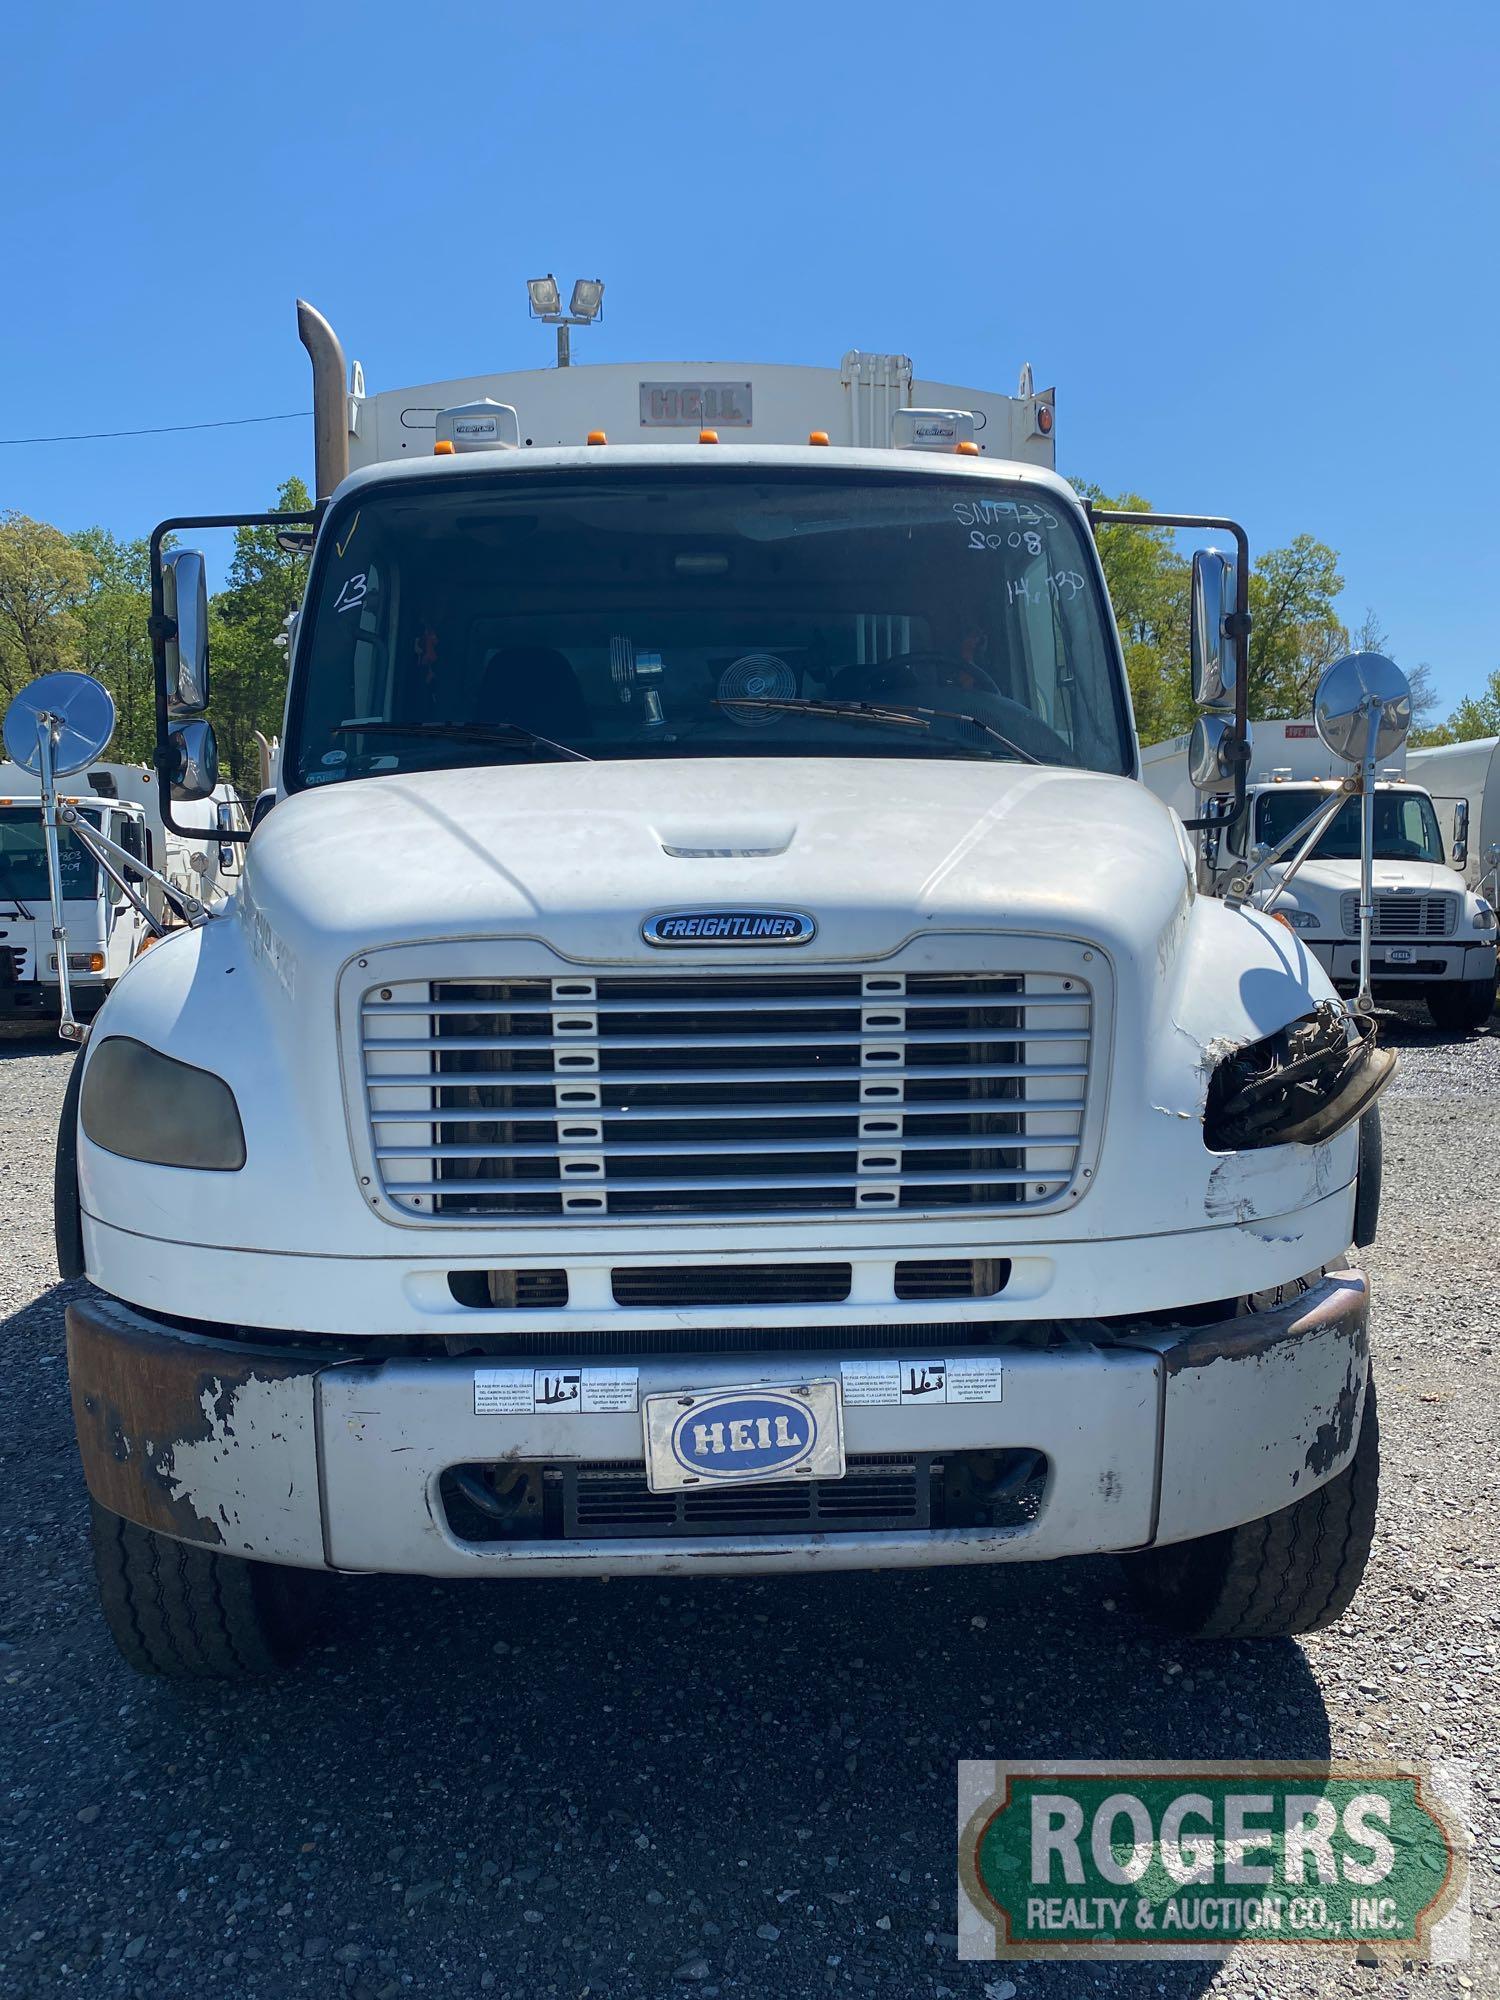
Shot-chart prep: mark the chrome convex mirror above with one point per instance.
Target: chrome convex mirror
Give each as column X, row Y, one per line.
column 193, row 769
column 1213, row 650
column 76, row 712
column 1357, row 691
column 185, row 605
column 1209, row 761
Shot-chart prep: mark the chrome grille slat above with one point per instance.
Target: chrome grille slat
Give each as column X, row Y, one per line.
column 989, row 1142
column 1006, row 1107
column 383, row 1009
column 596, row 1094
column 841, row 1039
column 525, row 1079
column 988, row 1177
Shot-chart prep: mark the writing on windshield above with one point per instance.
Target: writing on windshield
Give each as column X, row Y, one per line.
column 23, row 859
column 506, row 617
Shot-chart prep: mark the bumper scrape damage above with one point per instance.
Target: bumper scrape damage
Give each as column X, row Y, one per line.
column 1150, row 1434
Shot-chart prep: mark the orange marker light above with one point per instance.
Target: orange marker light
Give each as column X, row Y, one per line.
column 597, row 437
column 817, row 437
column 1044, row 419
column 967, row 449
column 443, row 448
column 708, row 437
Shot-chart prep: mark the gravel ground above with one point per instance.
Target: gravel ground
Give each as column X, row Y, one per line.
column 705, row 1786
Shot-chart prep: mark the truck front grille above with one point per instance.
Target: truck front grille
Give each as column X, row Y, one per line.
column 1398, row 916
column 701, row 1094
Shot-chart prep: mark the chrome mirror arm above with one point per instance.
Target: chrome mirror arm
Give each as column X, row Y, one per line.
column 192, row 909
column 68, row 1025
column 1308, row 830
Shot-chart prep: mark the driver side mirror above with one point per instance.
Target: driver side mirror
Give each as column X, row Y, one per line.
column 1460, row 832
column 1214, row 658
column 185, row 602
column 193, row 761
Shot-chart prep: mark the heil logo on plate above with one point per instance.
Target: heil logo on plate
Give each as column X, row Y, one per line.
column 740, row 1436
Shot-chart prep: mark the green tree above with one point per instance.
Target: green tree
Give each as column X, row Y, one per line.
column 114, row 642
column 1148, row 588
column 43, row 581
column 246, row 619
column 1476, row 715
column 1295, row 630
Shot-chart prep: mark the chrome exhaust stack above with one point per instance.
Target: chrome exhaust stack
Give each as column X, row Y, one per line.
column 330, row 405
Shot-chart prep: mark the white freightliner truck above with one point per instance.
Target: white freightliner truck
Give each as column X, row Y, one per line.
column 767, row 1093
column 1433, row 935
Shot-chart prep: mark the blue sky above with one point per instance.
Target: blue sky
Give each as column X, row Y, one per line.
column 1254, row 248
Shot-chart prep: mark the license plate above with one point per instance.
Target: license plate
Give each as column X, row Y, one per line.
column 731, row 1437
column 1400, row 954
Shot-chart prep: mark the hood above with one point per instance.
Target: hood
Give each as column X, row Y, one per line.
column 872, row 849
column 1335, row 877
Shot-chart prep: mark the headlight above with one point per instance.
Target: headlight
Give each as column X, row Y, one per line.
column 144, row 1106
column 1296, row 920
column 81, row 961
column 1484, row 917
column 1301, row 1085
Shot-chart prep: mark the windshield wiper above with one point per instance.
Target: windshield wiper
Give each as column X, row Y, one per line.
column 912, row 714
column 464, row 732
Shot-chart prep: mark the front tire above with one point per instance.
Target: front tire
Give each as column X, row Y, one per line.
column 1295, row 1571
column 1462, row 1006
column 183, row 1613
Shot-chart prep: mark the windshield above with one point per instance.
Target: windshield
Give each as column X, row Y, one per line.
column 1406, row 827
column 663, row 614
column 23, row 859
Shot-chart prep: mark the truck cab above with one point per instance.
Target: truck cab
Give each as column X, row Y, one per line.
column 768, row 1094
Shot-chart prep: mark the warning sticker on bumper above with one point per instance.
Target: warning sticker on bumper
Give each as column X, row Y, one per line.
column 525, row 1392
column 965, row 1378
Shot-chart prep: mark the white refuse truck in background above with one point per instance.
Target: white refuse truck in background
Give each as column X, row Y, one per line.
column 768, row 1093
column 105, row 929
column 1464, row 782
column 1433, row 934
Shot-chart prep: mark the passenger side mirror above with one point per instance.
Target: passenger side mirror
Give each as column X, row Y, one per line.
column 193, row 767
column 1355, row 691
column 1213, row 650
column 1460, row 854
column 184, row 580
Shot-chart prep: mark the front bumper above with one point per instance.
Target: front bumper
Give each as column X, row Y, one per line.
column 1428, row 961
column 1161, row 1434
column 28, row 1000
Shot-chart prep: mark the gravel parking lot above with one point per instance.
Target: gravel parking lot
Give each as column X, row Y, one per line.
column 703, row 1786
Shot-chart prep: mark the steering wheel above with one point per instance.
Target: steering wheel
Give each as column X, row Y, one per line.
column 918, row 675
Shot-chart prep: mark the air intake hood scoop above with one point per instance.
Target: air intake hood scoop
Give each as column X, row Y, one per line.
column 730, row 837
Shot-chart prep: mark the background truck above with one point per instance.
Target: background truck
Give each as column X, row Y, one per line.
column 768, row 1095
column 104, row 930
column 1464, row 782
column 1434, row 935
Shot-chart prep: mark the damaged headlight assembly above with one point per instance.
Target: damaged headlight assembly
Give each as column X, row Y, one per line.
column 1302, row 1085
column 146, row 1106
